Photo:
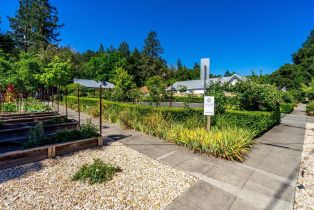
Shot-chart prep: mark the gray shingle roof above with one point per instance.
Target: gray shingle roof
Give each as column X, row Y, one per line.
column 199, row 84
column 92, row 83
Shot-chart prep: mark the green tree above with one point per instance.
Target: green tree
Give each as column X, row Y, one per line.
column 152, row 47
column 308, row 89
column 101, row 49
column 124, row 85
column 25, row 71
column 35, row 24
column 56, row 73
column 124, row 49
column 157, row 89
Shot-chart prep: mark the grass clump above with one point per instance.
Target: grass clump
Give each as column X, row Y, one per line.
column 97, row 172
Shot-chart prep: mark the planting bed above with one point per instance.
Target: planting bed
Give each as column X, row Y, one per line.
column 143, row 183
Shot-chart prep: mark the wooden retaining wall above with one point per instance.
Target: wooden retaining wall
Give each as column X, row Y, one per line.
column 21, row 157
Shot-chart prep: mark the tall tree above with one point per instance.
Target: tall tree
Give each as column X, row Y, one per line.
column 35, row 24
column 22, row 23
column 124, row 49
column 101, row 49
column 152, row 47
column 179, row 64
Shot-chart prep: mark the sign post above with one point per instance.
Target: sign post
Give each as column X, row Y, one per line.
column 209, row 101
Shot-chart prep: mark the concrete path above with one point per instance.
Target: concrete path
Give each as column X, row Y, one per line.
column 266, row 180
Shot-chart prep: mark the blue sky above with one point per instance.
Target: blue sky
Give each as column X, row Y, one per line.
column 239, row 35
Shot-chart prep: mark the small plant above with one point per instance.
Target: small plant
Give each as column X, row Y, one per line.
column 97, row 172
column 37, row 136
column 125, row 119
column 88, row 130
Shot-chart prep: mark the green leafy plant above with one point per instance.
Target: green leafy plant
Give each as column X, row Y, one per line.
column 216, row 89
column 257, row 97
column 97, row 172
column 156, row 88
column 286, row 108
column 310, row 108
column 36, row 137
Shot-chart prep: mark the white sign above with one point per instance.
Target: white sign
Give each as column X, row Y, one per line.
column 209, row 105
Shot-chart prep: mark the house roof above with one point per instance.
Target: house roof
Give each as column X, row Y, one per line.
column 199, row 84
column 93, row 84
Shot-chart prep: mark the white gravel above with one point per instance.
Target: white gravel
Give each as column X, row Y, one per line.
column 143, row 184
column 304, row 198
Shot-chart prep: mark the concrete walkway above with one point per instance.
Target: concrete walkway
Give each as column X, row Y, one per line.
column 266, row 180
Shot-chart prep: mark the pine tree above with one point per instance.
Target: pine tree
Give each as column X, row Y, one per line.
column 152, row 47
column 22, row 23
column 101, row 49
column 35, row 24
column 124, row 49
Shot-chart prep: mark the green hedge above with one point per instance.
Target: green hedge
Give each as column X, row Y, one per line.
column 286, row 108
column 310, row 108
column 257, row 121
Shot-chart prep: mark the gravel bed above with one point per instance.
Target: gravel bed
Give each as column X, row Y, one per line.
column 304, row 197
column 143, row 184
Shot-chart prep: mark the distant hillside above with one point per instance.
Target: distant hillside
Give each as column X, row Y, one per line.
column 302, row 69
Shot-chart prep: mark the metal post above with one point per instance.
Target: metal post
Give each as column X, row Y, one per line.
column 78, row 105
column 66, row 102
column 58, row 95
column 100, row 109
column 52, row 97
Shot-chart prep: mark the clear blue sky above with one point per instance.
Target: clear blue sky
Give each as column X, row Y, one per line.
column 240, row 35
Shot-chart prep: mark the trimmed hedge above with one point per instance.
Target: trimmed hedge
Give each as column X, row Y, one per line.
column 256, row 121
column 286, row 108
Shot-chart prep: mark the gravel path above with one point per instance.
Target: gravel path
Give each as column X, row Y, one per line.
column 143, row 184
column 304, row 198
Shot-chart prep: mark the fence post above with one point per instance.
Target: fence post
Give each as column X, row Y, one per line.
column 58, row 95
column 66, row 102
column 78, row 105
column 100, row 109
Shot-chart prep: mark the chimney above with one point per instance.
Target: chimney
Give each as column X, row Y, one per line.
column 205, row 62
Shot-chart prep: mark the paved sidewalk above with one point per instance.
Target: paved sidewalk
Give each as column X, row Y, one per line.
column 266, row 180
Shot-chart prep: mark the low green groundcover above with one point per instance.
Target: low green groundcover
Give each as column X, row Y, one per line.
column 97, row 172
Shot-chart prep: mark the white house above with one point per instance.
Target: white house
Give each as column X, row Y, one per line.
column 197, row 86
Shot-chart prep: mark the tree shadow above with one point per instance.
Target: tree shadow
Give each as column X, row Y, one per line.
column 18, row 171
column 113, row 138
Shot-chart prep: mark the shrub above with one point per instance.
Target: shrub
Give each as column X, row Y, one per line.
column 286, row 108
column 156, row 87
column 37, row 136
column 256, row 121
column 229, row 143
column 216, row 89
column 257, row 97
column 286, row 97
column 310, row 108
column 97, row 172
column 8, row 107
